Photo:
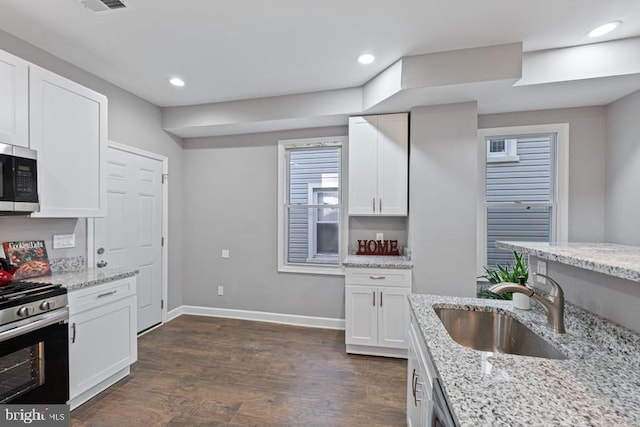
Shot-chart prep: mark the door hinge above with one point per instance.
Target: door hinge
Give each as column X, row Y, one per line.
column 161, row 304
column 162, row 241
column 165, row 177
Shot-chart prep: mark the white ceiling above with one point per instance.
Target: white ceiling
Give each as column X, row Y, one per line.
column 241, row 49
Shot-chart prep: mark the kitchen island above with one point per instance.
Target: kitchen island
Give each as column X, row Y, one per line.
column 596, row 385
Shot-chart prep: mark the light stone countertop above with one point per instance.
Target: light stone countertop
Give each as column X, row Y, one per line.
column 614, row 260
column 598, row 385
column 377, row 261
column 78, row 279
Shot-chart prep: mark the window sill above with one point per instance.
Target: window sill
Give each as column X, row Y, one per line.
column 300, row 269
column 500, row 159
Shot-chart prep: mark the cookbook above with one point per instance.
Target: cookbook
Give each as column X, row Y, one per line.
column 29, row 257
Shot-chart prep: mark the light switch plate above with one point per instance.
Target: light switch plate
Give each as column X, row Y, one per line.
column 225, row 253
column 64, row 241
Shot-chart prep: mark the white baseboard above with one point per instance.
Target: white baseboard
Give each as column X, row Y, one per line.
column 176, row 312
column 259, row 316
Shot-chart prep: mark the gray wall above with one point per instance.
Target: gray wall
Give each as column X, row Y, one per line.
column 443, row 189
column 587, row 128
column 231, row 203
column 132, row 121
column 622, row 223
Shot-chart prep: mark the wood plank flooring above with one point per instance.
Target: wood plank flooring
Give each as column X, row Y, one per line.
column 199, row 371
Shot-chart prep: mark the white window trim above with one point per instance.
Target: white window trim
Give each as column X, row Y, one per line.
column 283, row 145
column 561, row 225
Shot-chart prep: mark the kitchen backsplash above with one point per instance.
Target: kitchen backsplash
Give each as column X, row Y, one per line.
column 19, row 228
column 68, row 264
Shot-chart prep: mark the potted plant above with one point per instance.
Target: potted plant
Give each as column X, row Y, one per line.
column 509, row 273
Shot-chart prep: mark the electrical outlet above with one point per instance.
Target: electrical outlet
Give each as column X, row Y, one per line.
column 379, row 236
column 220, row 290
column 541, row 268
column 63, row 241
column 225, row 253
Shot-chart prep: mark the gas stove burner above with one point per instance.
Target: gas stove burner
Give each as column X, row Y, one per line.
column 22, row 299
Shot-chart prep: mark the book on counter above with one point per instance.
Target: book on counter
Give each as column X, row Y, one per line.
column 29, row 257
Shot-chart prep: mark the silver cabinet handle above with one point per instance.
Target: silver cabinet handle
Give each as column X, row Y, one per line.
column 73, row 335
column 380, row 205
column 373, row 204
column 106, row 294
column 377, row 277
column 102, row 263
column 380, row 298
column 374, row 298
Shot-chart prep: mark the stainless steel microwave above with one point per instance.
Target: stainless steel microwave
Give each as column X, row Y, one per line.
column 18, row 180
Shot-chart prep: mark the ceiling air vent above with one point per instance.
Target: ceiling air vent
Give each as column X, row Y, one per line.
column 104, row 6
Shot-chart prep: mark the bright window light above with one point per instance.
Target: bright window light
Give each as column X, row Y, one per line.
column 604, row 29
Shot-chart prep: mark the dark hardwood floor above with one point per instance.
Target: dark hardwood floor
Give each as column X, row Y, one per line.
column 221, row 372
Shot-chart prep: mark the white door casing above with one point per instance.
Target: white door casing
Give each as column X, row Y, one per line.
column 132, row 233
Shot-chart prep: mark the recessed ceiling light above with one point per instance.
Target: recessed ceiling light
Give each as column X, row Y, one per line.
column 366, row 58
column 604, row 29
column 176, row 81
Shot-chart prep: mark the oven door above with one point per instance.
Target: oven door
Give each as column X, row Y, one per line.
column 34, row 360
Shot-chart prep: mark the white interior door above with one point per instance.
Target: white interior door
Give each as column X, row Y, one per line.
column 130, row 235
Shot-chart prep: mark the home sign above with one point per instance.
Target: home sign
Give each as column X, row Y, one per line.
column 378, row 247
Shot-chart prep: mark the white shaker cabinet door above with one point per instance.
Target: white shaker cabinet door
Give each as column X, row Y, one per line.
column 361, row 314
column 68, row 128
column 363, row 164
column 393, row 317
column 393, row 164
column 14, row 100
column 102, row 343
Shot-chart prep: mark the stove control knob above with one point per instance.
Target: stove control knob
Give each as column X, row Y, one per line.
column 25, row 311
column 47, row 305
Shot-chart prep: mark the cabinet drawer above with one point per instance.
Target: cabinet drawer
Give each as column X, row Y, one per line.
column 378, row 277
column 95, row 296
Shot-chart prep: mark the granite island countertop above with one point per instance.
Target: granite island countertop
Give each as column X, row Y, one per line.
column 597, row 385
column 77, row 279
column 377, row 261
column 614, row 260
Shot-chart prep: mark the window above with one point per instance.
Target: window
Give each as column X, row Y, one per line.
column 310, row 212
column 523, row 188
column 502, row 150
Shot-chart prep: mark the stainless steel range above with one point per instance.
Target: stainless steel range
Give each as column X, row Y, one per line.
column 34, row 348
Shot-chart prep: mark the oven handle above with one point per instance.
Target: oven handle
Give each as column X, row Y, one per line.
column 36, row 323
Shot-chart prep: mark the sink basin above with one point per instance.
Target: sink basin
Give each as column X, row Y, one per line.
column 494, row 331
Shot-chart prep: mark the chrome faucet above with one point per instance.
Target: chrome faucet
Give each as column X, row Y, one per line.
column 553, row 303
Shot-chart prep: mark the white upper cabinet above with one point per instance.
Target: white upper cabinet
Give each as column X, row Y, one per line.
column 68, row 128
column 379, row 165
column 14, row 97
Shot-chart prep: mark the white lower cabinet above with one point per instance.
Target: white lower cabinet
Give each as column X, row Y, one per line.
column 377, row 311
column 420, row 376
column 102, row 337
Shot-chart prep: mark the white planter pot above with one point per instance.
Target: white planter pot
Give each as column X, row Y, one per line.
column 521, row 301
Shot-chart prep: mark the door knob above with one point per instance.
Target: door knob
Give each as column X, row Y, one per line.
column 101, row 263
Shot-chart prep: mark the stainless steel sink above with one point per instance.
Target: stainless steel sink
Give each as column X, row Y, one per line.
column 494, row 331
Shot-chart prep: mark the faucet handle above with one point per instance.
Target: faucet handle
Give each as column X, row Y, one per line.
column 556, row 290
